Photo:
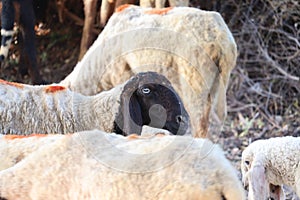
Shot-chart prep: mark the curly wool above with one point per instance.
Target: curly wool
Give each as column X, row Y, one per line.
column 97, row 165
column 54, row 109
column 280, row 158
column 193, row 48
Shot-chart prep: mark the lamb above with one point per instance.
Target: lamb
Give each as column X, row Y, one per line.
column 145, row 99
column 27, row 22
column 193, row 48
column 268, row 164
column 98, row 165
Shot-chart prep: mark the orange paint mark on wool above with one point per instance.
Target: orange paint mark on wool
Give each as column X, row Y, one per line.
column 161, row 11
column 54, row 88
column 12, row 137
column 133, row 136
column 18, row 85
column 122, row 7
column 160, row 135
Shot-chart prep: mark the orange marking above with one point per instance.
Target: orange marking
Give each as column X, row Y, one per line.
column 12, row 137
column 160, row 135
column 54, row 88
column 122, row 7
column 161, row 11
column 18, row 85
column 133, row 136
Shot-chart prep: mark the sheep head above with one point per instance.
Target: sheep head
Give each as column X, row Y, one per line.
column 253, row 167
column 148, row 98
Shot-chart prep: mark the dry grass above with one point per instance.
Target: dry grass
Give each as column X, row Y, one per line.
column 264, row 92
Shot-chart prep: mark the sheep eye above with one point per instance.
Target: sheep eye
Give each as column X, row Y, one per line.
column 146, row 90
column 247, row 162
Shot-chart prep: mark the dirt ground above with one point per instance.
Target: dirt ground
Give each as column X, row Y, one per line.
column 263, row 101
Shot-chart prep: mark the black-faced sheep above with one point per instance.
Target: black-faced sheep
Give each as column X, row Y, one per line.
column 193, row 48
column 145, row 99
column 28, row 60
column 268, row 164
column 97, row 165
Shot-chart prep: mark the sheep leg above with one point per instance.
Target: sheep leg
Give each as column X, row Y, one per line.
column 160, row 3
column 146, row 3
column 174, row 3
column 122, row 2
column 7, row 18
column 27, row 21
column 87, row 34
column 107, row 9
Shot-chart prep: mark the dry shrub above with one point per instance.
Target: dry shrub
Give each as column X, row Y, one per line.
column 264, row 92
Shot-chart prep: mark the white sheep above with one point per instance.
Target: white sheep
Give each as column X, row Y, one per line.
column 193, row 48
column 108, row 7
column 268, row 164
column 161, row 3
column 145, row 99
column 14, row 149
column 97, row 165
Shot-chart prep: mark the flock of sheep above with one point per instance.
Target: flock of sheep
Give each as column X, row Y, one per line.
column 127, row 85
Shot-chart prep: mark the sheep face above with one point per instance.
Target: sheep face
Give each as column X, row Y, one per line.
column 255, row 179
column 161, row 108
column 149, row 99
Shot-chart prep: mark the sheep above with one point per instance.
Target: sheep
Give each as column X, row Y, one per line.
column 90, row 11
column 108, row 7
column 162, row 3
column 268, row 164
column 28, row 50
column 13, row 150
column 193, row 48
column 145, row 99
column 97, row 165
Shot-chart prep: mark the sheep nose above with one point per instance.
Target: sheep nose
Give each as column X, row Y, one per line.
column 158, row 116
column 179, row 119
column 246, row 187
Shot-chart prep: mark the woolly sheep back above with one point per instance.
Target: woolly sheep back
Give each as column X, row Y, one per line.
column 26, row 109
column 193, row 169
column 193, row 48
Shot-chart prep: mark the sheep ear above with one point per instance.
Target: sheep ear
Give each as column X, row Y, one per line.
column 258, row 185
column 129, row 118
column 133, row 124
